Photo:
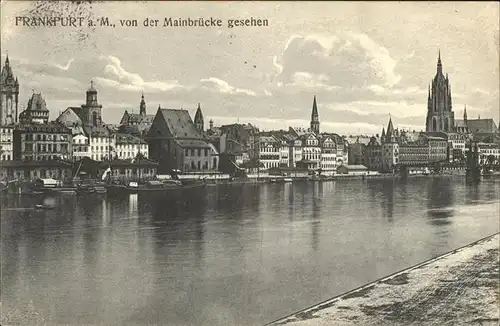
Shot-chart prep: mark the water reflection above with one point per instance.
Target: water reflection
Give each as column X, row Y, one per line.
column 315, row 214
column 440, row 200
column 387, row 200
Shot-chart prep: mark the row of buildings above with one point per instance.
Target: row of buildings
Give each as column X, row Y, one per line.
column 173, row 140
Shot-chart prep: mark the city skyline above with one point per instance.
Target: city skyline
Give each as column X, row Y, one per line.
column 361, row 70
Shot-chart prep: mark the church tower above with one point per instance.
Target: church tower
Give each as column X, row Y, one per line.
column 315, row 117
column 440, row 116
column 9, row 95
column 142, row 106
column 92, row 109
column 198, row 119
column 390, row 149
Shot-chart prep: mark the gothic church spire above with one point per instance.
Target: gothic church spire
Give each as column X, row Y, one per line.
column 315, row 117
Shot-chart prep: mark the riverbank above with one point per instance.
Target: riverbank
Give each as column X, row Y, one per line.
column 457, row 288
column 24, row 187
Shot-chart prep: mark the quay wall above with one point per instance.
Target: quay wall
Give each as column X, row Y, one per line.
column 441, row 291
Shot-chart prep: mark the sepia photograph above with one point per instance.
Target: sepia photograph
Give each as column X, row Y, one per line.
column 241, row 163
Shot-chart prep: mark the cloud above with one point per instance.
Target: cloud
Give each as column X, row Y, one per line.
column 118, row 77
column 222, row 86
column 349, row 60
column 278, row 66
column 66, row 67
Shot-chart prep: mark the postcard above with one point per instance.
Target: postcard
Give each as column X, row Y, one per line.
column 249, row 163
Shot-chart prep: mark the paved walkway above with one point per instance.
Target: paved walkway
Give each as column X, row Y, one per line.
column 458, row 288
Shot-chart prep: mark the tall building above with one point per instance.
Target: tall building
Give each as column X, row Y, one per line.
column 440, row 116
column 176, row 143
column 36, row 111
column 136, row 124
column 9, row 95
column 99, row 143
column 198, row 119
column 42, row 142
column 91, row 110
column 390, row 149
column 315, row 117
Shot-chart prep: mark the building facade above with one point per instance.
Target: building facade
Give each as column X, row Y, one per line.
column 489, row 153
column 81, row 146
column 311, row 152
column 269, row 151
column 42, row 142
column 390, row 149
column 373, row 154
column 131, row 170
column 175, row 143
column 128, row 146
column 102, row 142
column 328, row 154
column 6, row 142
column 9, row 95
column 30, row 170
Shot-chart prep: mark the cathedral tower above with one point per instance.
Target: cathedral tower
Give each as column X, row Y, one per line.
column 198, row 119
column 9, row 95
column 315, row 117
column 440, row 116
column 92, row 109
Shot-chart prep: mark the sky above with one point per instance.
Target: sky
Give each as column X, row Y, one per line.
column 365, row 62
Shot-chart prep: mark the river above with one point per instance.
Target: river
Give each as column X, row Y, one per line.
column 228, row 255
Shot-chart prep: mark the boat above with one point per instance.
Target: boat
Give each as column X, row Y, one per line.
column 288, row 180
column 4, row 188
column 44, row 207
column 85, row 189
column 153, row 186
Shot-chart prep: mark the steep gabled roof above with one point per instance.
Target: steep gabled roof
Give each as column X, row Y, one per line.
column 37, row 103
column 180, row 124
column 482, row 125
column 390, row 136
column 128, row 139
column 96, row 131
column 198, row 117
column 136, row 118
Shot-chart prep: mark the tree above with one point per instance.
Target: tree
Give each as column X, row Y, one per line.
column 437, row 167
column 491, row 159
column 139, row 156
